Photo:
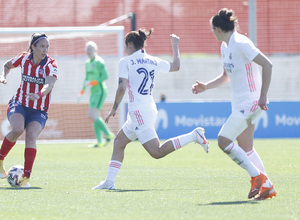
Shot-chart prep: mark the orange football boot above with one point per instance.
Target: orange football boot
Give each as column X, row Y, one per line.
column 256, row 184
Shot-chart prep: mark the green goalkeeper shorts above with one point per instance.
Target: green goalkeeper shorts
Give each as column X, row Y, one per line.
column 97, row 100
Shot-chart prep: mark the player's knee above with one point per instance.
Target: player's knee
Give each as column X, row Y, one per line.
column 93, row 117
column 31, row 136
column 223, row 142
column 17, row 131
column 118, row 144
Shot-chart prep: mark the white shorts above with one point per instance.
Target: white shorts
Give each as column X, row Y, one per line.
column 238, row 120
column 141, row 125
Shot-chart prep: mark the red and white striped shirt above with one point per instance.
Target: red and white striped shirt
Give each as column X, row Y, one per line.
column 33, row 80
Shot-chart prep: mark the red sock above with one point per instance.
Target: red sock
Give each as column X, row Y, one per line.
column 29, row 160
column 5, row 148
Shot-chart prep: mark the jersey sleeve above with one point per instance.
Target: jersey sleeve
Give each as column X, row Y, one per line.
column 51, row 69
column 18, row 60
column 123, row 71
column 248, row 49
column 163, row 66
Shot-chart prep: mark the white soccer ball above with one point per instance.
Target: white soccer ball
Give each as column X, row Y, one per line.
column 15, row 174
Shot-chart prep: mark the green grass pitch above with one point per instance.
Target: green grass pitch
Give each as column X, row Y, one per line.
column 187, row 184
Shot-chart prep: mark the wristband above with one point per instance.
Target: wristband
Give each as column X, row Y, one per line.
column 40, row 94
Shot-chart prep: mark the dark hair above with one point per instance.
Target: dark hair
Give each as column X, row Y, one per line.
column 224, row 20
column 35, row 37
column 138, row 37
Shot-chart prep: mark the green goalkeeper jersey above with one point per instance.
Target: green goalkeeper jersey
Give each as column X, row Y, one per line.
column 96, row 70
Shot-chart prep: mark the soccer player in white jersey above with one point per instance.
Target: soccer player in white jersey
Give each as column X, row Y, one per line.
column 249, row 97
column 137, row 72
column 27, row 110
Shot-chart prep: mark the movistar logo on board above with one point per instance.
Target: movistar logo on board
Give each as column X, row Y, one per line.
column 33, row 79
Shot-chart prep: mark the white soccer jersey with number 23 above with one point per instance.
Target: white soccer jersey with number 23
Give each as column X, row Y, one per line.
column 140, row 70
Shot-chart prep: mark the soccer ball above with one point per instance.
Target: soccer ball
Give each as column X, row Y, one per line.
column 15, row 174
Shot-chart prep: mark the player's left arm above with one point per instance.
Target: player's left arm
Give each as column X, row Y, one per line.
column 266, row 65
column 50, row 79
column 119, row 96
column 175, row 64
column 48, row 86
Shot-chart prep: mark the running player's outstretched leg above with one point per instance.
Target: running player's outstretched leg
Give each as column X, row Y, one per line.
column 157, row 151
column 115, row 164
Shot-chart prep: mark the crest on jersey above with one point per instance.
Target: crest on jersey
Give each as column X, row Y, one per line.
column 41, row 71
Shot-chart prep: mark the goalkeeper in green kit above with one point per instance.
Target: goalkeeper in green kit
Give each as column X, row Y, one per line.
column 96, row 74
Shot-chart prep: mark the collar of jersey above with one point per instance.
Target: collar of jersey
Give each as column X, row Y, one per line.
column 139, row 51
column 42, row 63
column 231, row 37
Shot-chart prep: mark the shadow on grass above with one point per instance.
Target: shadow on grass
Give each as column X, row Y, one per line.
column 141, row 190
column 19, row 188
column 231, row 203
column 129, row 190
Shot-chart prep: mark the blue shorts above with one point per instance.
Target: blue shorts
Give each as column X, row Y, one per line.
column 29, row 114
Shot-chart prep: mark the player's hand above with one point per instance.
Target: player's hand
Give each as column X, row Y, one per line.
column 111, row 113
column 32, row 96
column 2, row 79
column 198, row 87
column 174, row 39
column 262, row 102
column 87, row 83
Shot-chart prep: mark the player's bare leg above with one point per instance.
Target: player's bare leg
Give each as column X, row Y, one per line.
column 245, row 139
column 17, row 127
column 157, row 150
column 153, row 147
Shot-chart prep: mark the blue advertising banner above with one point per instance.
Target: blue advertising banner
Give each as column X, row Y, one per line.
column 281, row 121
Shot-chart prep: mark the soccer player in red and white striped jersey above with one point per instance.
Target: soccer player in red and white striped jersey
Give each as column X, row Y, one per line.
column 27, row 110
column 249, row 97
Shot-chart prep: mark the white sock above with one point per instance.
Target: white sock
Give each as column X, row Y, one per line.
column 113, row 170
column 255, row 159
column 182, row 140
column 238, row 155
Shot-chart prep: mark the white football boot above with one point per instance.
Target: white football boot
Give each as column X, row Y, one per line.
column 25, row 182
column 198, row 134
column 106, row 185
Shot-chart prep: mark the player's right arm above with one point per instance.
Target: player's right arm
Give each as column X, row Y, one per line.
column 84, row 83
column 218, row 81
column 5, row 70
column 119, row 96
